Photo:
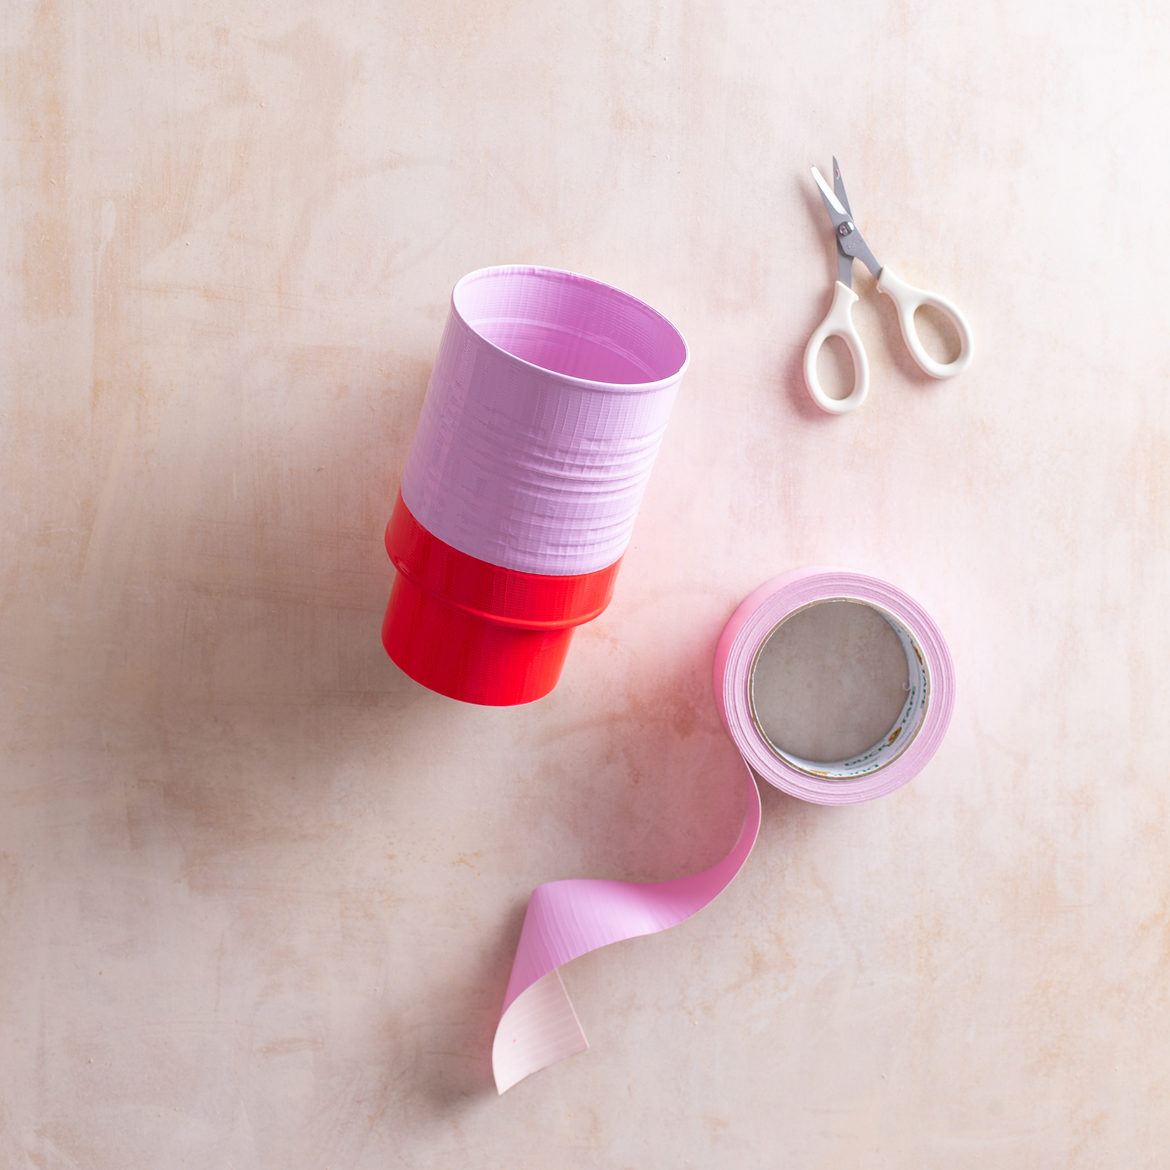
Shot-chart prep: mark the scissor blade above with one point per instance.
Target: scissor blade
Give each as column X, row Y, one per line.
column 837, row 212
column 850, row 243
column 839, row 188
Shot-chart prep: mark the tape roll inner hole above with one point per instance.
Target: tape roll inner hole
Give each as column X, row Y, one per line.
column 839, row 688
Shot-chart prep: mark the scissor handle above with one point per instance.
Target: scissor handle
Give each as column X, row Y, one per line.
column 837, row 323
column 908, row 300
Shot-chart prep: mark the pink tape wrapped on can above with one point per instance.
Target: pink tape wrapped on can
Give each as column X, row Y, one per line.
column 545, row 410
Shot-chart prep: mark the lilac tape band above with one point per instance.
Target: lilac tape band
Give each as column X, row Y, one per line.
column 545, row 410
column 567, row 919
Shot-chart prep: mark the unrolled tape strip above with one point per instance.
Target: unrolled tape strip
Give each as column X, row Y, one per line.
column 567, row 919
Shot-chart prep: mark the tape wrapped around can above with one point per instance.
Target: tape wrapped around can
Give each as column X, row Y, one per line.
column 545, row 409
column 566, row 919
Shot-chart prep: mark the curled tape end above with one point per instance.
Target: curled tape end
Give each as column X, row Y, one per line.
column 566, row 919
column 538, row 1028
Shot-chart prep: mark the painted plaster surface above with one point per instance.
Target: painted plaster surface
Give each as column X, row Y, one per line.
column 259, row 892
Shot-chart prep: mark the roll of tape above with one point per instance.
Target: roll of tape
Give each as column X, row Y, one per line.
column 904, row 749
column 567, row 919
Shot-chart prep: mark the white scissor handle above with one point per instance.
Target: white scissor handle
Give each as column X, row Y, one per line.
column 837, row 323
column 908, row 300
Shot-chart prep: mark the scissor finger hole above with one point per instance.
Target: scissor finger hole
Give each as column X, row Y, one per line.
column 937, row 333
column 835, row 368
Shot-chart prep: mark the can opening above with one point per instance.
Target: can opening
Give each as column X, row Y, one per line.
column 571, row 325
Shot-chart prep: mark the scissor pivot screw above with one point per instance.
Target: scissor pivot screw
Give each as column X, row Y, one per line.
column 844, row 229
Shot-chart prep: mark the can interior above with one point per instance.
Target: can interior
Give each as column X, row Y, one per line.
column 571, row 325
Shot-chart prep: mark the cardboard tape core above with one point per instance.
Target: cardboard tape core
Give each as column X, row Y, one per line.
column 893, row 741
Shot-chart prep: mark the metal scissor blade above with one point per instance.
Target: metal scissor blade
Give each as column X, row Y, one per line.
column 839, row 188
column 838, row 213
column 851, row 244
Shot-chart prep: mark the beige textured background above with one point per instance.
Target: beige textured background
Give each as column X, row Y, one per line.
column 259, row 892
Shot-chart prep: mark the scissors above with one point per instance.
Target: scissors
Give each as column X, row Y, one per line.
column 839, row 321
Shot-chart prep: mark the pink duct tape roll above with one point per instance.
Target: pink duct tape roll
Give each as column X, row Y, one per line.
column 545, row 410
column 916, row 733
column 567, row 919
